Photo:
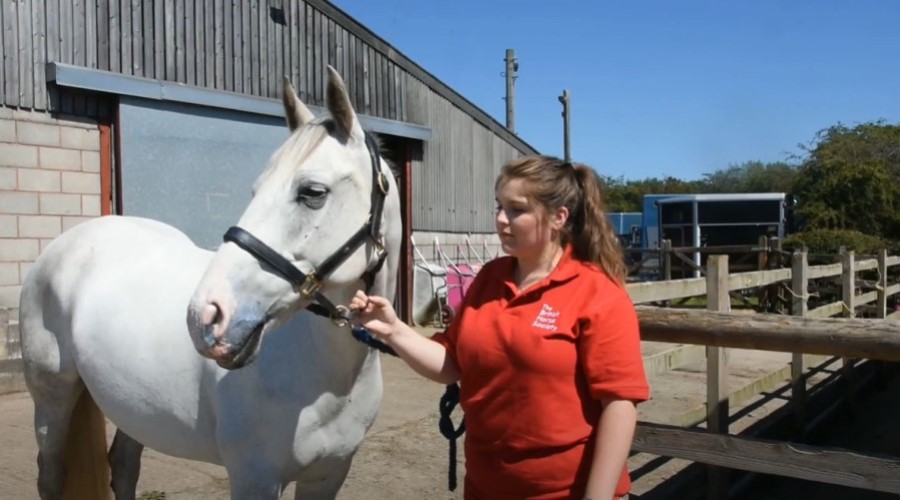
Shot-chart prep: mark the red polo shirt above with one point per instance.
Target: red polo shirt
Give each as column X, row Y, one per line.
column 534, row 367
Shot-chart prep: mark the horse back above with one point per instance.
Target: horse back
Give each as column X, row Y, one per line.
column 105, row 303
column 93, row 257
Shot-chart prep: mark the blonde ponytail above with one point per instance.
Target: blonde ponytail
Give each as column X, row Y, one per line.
column 593, row 238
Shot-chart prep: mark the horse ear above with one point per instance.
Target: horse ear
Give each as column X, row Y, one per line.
column 296, row 112
column 338, row 102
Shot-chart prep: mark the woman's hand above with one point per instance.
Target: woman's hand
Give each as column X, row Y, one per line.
column 427, row 357
column 375, row 314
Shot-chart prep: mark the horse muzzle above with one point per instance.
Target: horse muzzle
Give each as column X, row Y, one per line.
column 231, row 341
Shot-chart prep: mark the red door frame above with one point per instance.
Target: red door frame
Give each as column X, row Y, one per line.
column 107, row 203
column 406, row 269
column 110, row 162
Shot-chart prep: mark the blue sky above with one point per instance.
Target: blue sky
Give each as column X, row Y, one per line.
column 660, row 87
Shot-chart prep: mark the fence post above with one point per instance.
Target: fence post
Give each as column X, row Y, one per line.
column 881, row 302
column 799, row 307
column 848, row 292
column 762, row 258
column 763, row 254
column 717, row 299
column 776, row 261
column 666, row 260
column 848, row 284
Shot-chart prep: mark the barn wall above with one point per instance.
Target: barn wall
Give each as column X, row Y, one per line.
column 49, row 136
column 245, row 46
column 49, row 182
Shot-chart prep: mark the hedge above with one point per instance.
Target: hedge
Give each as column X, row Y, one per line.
column 830, row 241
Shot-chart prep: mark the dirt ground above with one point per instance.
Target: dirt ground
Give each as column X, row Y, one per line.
column 403, row 457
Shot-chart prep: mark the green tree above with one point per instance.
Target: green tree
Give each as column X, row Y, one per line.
column 752, row 177
column 850, row 179
column 628, row 196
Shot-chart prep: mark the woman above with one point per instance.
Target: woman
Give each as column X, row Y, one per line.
column 545, row 346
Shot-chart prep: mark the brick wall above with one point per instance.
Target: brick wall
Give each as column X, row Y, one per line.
column 49, row 182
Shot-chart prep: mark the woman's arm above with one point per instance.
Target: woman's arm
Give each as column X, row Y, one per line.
column 427, row 357
column 615, row 432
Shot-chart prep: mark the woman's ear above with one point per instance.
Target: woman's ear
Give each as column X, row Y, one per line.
column 559, row 217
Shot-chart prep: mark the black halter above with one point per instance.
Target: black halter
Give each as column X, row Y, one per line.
column 310, row 284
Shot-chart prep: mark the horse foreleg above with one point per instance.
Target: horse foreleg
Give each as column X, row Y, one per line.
column 327, row 488
column 252, row 482
column 125, row 463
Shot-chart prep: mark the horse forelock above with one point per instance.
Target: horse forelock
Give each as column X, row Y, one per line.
column 300, row 146
column 297, row 148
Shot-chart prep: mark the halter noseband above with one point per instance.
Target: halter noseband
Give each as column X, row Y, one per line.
column 310, row 284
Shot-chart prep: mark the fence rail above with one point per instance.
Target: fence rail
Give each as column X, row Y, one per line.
column 646, row 292
column 806, row 332
column 847, row 337
column 811, row 463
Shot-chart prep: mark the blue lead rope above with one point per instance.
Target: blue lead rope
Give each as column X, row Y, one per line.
column 365, row 336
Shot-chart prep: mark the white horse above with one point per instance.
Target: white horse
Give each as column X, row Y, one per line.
column 114, row 312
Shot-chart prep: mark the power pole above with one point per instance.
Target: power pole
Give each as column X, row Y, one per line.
column 564, row 100
column 512, row 67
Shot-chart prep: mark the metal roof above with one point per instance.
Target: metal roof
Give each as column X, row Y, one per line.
column 721, row 197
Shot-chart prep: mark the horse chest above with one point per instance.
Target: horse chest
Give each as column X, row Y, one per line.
column 307, row 418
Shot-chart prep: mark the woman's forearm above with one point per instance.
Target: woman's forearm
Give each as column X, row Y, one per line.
column 615, row 432
column 428, row 358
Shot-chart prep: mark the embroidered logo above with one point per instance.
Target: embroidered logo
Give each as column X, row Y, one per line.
column 546, row 319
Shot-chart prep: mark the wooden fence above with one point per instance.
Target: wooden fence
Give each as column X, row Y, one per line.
column 806, row 332
column 667, row 262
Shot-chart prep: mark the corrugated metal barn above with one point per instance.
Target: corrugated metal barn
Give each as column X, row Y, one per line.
column 168, row 109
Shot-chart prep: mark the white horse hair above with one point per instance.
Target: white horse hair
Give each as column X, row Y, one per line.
column 114, row 312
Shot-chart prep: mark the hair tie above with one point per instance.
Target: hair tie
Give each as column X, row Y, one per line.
column 574, row 171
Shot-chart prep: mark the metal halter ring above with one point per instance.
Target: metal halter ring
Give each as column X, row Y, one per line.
column 383, row 183
column 343, row 316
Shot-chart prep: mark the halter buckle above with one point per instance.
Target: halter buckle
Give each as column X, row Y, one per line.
column 310, row 286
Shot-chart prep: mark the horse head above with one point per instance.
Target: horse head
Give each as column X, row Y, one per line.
column 323, row 216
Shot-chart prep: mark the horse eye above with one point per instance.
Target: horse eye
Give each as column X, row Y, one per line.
column 312, row 196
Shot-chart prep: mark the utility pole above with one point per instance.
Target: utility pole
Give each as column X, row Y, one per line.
column 512, row 67
column 564, row 100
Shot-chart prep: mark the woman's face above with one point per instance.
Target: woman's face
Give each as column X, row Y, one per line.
column 524, row 229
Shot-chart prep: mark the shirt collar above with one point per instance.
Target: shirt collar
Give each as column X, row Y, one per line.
column 567, row 268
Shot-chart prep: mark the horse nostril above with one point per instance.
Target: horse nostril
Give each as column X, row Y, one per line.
column 212, row 314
